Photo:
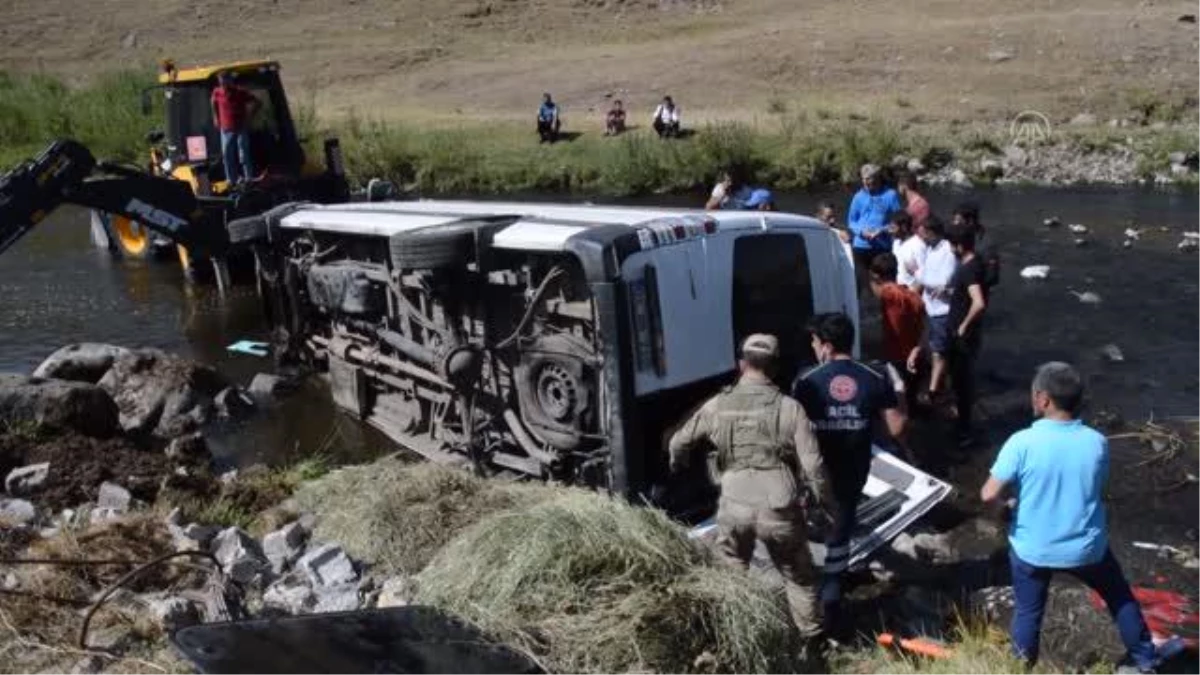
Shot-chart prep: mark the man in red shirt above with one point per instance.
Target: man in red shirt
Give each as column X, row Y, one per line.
column 233, row 107
column 903, row 319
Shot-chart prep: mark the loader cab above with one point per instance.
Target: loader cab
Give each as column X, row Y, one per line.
column 190, row 141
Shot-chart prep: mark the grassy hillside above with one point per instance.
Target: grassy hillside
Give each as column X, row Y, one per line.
column 916, row 60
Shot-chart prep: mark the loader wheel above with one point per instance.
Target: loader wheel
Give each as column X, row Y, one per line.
column 440, row 246
column 130, row 238
column 258, row 227
column 248, row 229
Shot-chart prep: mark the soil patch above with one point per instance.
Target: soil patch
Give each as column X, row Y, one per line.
column 79, row 464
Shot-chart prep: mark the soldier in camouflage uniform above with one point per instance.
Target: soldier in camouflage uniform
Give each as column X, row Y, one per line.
column 766, row 452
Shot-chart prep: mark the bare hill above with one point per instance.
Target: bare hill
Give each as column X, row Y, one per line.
column 930, row 59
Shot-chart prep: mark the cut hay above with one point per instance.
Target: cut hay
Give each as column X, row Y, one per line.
column 40, row 621
column 396, row 515
column 585, row 583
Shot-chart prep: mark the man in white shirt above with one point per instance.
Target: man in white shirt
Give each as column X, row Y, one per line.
column 908, row 248
column 932, row 274
column 666, row 118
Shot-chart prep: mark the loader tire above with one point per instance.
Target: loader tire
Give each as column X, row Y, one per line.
column 247, row 230
column 440, row 246
column 260, row 226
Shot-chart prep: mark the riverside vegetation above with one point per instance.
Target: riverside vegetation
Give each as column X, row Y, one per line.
column 784, row 148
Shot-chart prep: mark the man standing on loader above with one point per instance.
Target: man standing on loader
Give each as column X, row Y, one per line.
column 233, row 109
column 765, row 451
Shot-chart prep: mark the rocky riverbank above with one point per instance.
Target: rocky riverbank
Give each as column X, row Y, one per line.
column 111, row 467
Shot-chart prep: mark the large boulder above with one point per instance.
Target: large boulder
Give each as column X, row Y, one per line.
column 82, row 362
column 59, row 404
column 161, row 394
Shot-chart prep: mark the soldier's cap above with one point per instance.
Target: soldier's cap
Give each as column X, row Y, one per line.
column 761, row 343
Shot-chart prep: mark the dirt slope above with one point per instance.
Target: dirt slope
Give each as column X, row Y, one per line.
column 935, row 59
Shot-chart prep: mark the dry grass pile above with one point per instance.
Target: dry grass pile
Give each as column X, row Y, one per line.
column 41, row 619
column 585, row 583
column 396, row 516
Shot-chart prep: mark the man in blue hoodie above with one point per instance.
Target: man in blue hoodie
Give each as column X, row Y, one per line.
column 870, row 212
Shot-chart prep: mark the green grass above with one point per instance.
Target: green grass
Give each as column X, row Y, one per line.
column 975, row 647
column 105, row 115
column 787, row 150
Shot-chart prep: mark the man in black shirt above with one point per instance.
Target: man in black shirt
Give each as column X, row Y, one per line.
column 843, row 398
column 968, row 302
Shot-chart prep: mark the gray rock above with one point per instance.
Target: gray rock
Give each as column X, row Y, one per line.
column 1177, row 157
column 82, row 362
column 290, row 594
column 88, row 665
column 10, row 582
column 284, row 546
column 1015, row 154
column 1000, row 55
column 327, row 565
column 193, row 537
column 959, row 177
column 1052, row 221
column 76, row 406
column 233, row 402
column 158, row 393
column 991, row 168
column 239, row 555
column 1112, row 353
column 900, row 161
column 16, row 512
column 1180, row 170
column 98, row 516
column 175, row 518
column 1188, row 245
column 396, row 592
column 993, row 601
column 935, row 547
column 114, row 497
column 266, row 385
column 171, row 612
column 1087, row 297
column 1083, row 120
column 26, row 479
column 189, row 447
column 130, row 40
column 337, row 598
column 915, row 166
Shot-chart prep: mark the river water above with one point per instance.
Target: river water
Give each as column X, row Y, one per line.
column 57, row 289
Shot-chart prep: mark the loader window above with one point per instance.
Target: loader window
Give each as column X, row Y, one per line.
column 772, row 293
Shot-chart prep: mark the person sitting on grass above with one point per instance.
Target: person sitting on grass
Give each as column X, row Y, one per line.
column 614, row 121
column 1056, row 471
column 666, row 119
column 548, row 123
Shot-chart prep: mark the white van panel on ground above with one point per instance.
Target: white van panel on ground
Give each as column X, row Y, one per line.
column 921, row 493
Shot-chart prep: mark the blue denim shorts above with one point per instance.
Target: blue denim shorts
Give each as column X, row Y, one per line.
column 939, row 334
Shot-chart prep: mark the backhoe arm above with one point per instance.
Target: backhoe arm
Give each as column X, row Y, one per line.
column 61, row 174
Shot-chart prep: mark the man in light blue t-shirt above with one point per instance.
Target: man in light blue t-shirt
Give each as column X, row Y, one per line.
column 1056, row 470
